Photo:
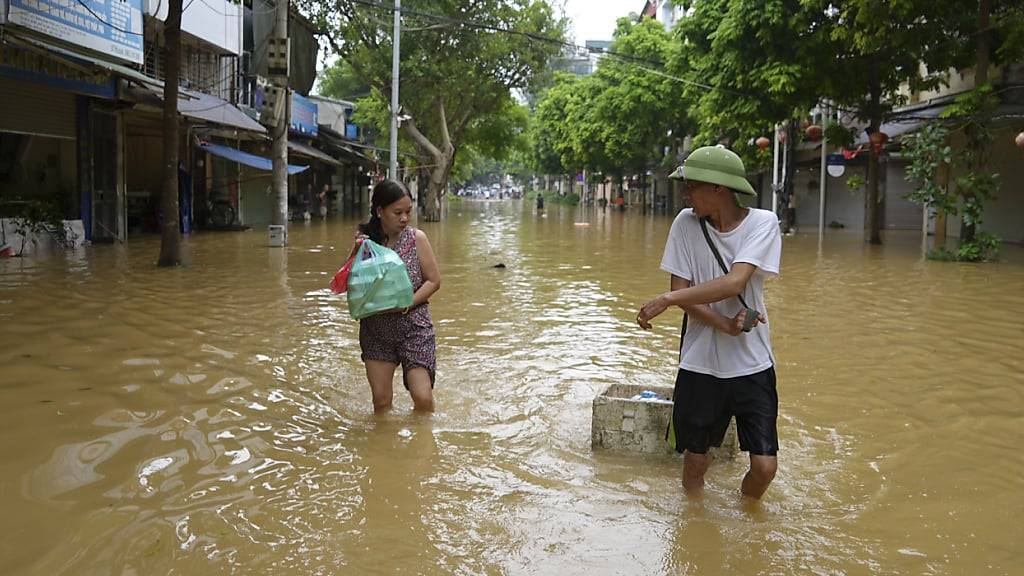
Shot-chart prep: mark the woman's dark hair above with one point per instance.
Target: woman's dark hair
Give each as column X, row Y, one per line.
column 385, row 193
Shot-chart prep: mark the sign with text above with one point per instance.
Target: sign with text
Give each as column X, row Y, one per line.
column 110, row 27
column 304, row 115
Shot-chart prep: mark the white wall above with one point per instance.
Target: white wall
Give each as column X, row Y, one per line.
column 841, row 205
column 669, row 14
column 216, row 22
column 900, row 213
column 1004, row 216
column 332, row 113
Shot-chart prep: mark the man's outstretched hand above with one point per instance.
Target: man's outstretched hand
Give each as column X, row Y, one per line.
column 651, row 310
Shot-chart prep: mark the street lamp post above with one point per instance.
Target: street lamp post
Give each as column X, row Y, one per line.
column 823, row 175
column 393, row 164
column 775, row 170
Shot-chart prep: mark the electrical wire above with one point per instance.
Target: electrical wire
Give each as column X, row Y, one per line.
column 108, row 24
column 629, row 58
column 635, row 60
column 158, row 6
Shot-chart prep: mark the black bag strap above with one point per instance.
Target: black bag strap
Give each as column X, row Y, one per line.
column 751, row 313
column 718, row 256
column 682, row 334
column 721, row 263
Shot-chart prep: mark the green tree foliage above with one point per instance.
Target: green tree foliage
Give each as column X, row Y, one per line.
column 929, row 154
column 637, row 106
column 341, row 81
column 551, row 146
column 992, row 32
column 616, row 120
column 460, row 61
column 751, row 64
column 883, row 50
column 498, row 140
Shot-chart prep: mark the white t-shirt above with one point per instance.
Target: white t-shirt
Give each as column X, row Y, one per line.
column 755, row 241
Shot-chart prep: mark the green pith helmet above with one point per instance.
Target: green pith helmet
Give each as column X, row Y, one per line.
column 715, row 165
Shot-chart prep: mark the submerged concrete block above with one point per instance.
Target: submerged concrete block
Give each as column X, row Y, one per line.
column 623, row 422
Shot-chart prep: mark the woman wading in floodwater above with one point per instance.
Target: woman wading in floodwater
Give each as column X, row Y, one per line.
column 400, row 336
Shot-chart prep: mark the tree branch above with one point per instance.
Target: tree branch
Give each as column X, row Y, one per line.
column 421, row 140
column 446, row 138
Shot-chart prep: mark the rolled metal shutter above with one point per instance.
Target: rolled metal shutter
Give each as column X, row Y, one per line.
column 30, row 108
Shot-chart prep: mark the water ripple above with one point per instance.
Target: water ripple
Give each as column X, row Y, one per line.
column 215, row 419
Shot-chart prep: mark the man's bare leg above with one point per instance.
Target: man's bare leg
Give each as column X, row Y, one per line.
column 694, row 467
column 762, row 471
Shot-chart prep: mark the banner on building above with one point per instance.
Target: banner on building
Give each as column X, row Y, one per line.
column 109, row 27
column 304, row 115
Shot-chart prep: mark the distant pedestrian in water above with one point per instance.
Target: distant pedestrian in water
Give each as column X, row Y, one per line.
column 724, row 371
column 324, row 196
column 540, row 202
column 400, row 336
column 791, row 207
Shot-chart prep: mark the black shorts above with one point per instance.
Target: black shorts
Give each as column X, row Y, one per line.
column 704, row 404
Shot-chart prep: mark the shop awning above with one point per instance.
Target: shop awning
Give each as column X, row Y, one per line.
column 342, row 146
column 208, row 108
column 908, row 120
column 354, row 153
column 73, row 56
column 251, row 160
column 310, row 152
column 205, row 108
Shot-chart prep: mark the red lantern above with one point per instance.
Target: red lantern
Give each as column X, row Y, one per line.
column 763, row 142
column 814, row 132
column 1019, row 140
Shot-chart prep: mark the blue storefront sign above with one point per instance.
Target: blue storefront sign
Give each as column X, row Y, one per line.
column 304, row 115
column 109, row 27
column 351, row 131
column 15, row 66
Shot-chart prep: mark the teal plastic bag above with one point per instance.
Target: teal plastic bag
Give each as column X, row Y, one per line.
column 378, row 281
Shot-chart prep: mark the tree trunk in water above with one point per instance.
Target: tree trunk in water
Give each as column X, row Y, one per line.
column 967, row 231
column 872, row 207
column 443, row 156
column 170, row 239
column 438, row 178
column 789, row 175
column 643, row 192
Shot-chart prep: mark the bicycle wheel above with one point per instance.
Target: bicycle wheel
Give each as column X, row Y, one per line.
column 222, row 213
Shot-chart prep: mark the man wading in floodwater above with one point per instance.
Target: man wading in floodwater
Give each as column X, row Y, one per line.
column 726, row 366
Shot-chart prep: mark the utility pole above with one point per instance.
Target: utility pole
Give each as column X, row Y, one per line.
column 775, row 171
column 393, row 164
column 277, row 69
column 823, row 174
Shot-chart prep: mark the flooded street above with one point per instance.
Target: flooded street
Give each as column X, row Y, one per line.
column 215, row 418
